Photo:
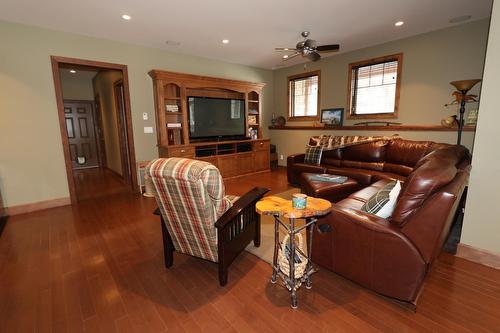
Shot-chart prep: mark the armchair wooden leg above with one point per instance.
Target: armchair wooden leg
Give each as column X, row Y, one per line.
column 256, row 240
column 168, row 246
column 222, row 274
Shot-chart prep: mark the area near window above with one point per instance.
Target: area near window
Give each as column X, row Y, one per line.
column 373, row 87
column 303, row 96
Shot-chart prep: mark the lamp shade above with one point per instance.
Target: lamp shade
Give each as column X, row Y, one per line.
column 464, row 85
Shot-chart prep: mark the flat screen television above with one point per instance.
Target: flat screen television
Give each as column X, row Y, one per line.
column 211, row 118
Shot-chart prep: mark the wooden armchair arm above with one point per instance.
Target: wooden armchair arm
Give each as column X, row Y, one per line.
column 246, row 200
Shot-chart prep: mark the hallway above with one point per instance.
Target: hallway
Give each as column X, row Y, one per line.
column 98, row 182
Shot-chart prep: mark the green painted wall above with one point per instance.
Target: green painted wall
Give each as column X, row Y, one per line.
column 103, row 86
column 31, row 156
column 482, row 224
column 430, row 62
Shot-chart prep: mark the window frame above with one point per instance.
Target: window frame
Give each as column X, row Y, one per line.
column 289, row 104
column 368, row 62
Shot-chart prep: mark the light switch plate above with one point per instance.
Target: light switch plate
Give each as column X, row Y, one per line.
column 144, row 116
column 148, row 129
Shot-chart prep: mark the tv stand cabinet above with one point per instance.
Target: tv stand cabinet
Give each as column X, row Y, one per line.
column 232, row 157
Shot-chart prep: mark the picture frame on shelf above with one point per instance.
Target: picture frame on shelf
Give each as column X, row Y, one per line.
column 332, row 116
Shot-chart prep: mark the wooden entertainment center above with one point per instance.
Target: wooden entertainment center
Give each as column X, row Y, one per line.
column 232, row 157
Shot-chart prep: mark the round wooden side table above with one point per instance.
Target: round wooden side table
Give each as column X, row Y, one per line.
column 281, row 208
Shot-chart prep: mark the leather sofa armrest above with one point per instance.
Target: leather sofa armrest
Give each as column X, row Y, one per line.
column 296, row 158
column 371, row 251
column 365, row 220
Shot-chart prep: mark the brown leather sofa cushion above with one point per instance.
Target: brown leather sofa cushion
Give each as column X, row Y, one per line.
column 334, row 154
column 366, row 152
column 402, row 170
column 362, row 165
column 420, row 184
column 405, row 152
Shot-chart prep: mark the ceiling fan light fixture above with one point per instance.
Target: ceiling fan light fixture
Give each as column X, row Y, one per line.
column 399, row 23
column 285, row 56
column 72, row 71
column 225, row 41
column 126, row 17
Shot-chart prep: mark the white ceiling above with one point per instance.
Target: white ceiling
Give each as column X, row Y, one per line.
column 254, row 27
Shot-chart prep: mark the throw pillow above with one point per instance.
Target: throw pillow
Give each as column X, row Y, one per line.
column 313, row 154
column 383, row 202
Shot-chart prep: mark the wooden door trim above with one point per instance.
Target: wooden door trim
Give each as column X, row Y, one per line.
column 123, row 148
column 56, row 61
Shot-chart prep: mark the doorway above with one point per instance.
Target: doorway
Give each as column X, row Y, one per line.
column 96, row 131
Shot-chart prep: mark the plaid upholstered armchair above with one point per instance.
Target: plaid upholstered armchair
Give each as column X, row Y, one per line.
column 197, row 218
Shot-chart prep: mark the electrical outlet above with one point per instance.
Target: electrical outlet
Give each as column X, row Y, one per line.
column 281, row 157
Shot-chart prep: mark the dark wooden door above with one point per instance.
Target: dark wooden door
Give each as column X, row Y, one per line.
column 81, row 134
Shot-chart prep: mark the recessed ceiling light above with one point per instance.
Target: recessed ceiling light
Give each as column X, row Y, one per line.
column 399, row 23
column 285, row 56
column 72, row 71
column 126, row 17
column 225, row 41
column 459, row 19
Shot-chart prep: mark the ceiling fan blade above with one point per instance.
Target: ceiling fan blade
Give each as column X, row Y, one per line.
column 285, row 49
column 328, row 48
column 313, row 56
column 291, row 56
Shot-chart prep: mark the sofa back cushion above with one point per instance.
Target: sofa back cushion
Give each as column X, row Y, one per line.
column 406, row 152
column 398, row 169
column 366, row 152
column 434, row 171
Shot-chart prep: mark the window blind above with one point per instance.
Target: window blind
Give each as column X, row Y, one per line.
column 373, row 88
column 304, row 96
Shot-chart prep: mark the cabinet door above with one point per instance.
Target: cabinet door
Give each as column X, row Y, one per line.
column 228, row 166
column 245, row 163
column 261, row 161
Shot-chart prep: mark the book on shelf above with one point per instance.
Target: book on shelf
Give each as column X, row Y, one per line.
column 174, row 125
column 324, row 177
column 172, row 108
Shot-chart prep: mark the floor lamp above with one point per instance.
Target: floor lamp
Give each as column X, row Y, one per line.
column 463, row 86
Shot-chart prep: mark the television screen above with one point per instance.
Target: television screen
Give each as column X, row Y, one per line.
column 216, row 117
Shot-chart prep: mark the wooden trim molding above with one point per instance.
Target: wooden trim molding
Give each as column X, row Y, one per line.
column 402, row 128
column 64, row 62
column 349, row 113
column 36, row 206
column 288, row 106
column 477, row 255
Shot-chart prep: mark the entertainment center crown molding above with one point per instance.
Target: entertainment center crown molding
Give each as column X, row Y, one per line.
column 232, row 157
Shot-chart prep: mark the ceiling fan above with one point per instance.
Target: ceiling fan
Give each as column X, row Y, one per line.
column 307, row 48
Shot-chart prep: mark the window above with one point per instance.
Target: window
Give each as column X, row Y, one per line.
column 374, row 87
column 303, row 96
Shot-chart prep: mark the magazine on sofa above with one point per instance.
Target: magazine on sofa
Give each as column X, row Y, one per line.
column 324, row 177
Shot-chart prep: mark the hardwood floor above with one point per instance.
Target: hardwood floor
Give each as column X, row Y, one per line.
column 98, row 267
column 98, row 182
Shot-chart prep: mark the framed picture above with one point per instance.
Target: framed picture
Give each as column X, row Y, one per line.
column 333, row 117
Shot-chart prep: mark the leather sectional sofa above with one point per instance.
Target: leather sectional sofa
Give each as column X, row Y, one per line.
column 390, row 256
